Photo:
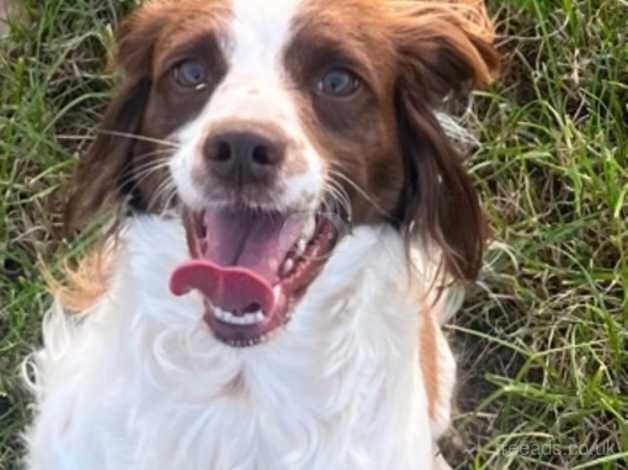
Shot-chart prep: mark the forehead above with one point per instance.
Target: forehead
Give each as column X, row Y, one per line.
column 275, row 21
column 254, row 31
column 258, row 30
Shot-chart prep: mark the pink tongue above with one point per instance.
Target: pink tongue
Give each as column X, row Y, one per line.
column 232, row 289
column 240, row 258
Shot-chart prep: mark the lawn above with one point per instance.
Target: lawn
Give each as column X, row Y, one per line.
column 541, row 342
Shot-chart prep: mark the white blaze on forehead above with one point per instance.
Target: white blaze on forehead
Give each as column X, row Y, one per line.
column 259, row 32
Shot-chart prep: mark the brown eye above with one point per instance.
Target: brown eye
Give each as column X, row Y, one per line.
column 339, row 83
column 191, row 74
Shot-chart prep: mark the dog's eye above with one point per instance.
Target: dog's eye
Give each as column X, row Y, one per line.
column 191, row 74
column 339, row 83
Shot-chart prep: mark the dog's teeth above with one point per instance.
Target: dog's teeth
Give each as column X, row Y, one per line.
column 308, row 230
column 228, row 317
column 287, row 267
column 257, row 317
column 248, row 319
column 220, row 314
column 251, row 319
column 302, row 246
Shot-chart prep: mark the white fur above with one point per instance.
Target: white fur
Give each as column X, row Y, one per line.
column 140, row 383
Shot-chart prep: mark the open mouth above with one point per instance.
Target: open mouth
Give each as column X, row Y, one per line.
column 252, row 267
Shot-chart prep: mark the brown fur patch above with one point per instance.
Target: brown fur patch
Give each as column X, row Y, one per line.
column 355, row 135
column 84, row 284
column 429, row 358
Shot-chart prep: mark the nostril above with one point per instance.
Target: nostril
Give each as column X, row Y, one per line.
column 223, row 151
column 218, row 150
column 261, row 155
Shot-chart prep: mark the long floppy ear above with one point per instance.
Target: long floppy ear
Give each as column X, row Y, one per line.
column 102, row 178
column 443, row 46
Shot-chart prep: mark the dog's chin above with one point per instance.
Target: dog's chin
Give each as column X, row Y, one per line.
column 252, row 267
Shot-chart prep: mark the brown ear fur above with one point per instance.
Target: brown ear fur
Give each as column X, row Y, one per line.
column 443, row 46
column 101, row 179
column 85, row 283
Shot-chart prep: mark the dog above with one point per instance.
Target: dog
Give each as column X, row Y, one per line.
column 288, row 222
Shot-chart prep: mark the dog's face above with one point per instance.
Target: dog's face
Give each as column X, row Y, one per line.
column 273, row 126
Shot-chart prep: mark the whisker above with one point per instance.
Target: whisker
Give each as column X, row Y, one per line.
column 170, row 195
column 138, row 175
column 160, row 151
column 141, row 138
column 148, row 167
column 339, row 196
column 171, row 199
column 359, row 189
column 340, row 191
column 164, row 187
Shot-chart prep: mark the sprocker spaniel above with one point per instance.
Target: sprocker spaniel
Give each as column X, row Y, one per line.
column 290, row 224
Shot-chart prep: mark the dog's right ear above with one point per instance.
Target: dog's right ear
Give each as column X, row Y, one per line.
column 103, row 178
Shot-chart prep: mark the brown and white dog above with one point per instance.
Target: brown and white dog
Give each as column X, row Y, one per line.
column 295, row 220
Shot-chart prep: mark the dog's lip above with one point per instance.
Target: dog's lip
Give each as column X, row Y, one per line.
column 287, row 289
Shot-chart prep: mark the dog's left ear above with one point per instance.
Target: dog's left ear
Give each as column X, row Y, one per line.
column 443, row 47
column 102, row 179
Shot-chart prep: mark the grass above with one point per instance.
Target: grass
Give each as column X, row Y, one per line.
column 542, row 341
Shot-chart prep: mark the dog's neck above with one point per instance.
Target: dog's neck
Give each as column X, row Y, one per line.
column 339, row 387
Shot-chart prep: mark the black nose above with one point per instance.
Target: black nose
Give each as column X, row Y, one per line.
column 244, row 157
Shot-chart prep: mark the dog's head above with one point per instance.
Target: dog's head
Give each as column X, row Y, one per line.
column 270, row 124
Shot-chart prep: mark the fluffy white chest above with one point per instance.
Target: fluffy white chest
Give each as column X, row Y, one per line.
column 140, row 382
